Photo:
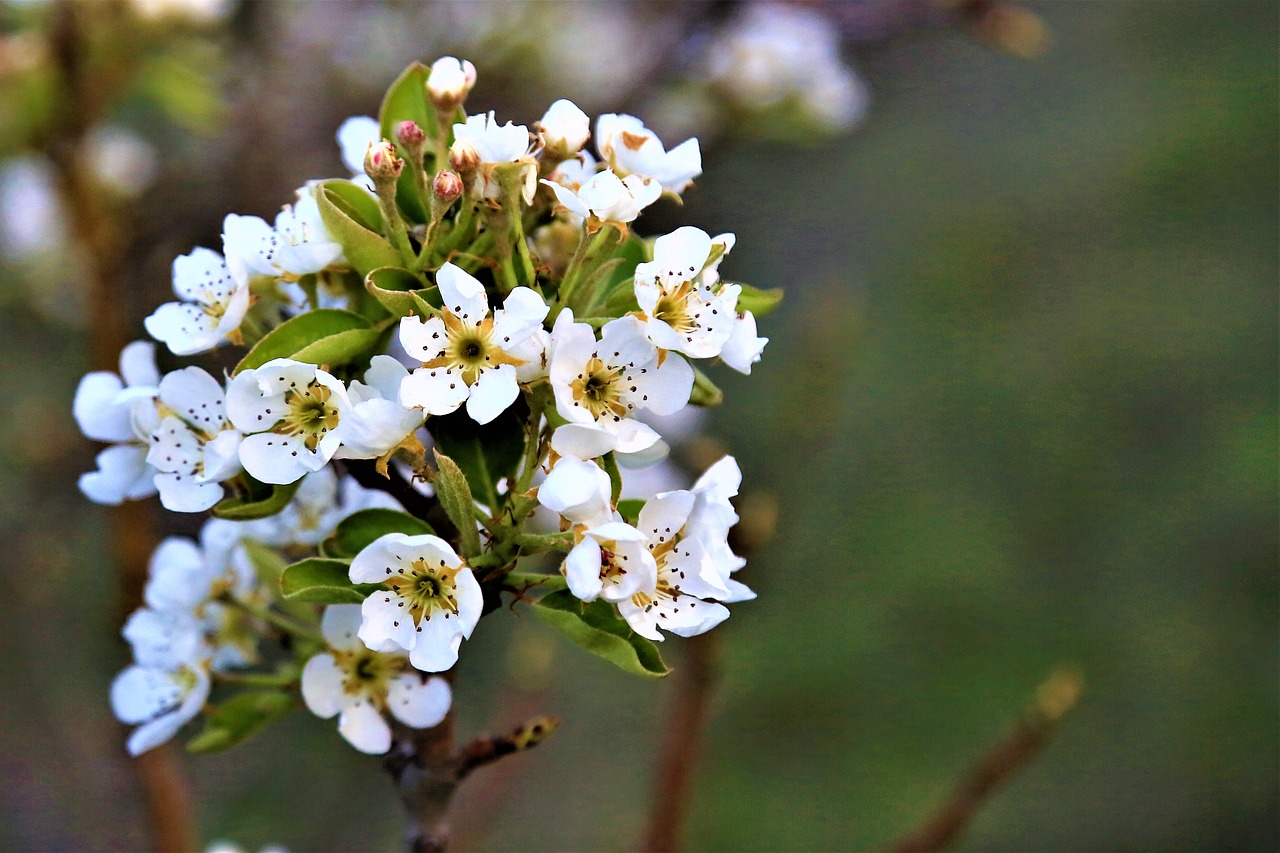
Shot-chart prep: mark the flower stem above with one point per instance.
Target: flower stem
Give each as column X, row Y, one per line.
column 279, row 620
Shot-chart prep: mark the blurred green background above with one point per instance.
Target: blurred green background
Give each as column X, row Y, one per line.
column 1018, row 409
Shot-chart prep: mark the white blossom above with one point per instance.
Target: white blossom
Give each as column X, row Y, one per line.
column 466, row 353
column 296, row 245
column 683, row 599
column 291, row 413
column 577, row 489
column 360, row 686
column 450, row 81
column 378, row 422
column 355, row 135
column 431, row 602
column 160, row 700
column 743, row 348
column 564, row 128
column 599, row 384
column 684, row 309
column 611, row 561
column 608, row 198
column 631, row 148
column 118, row 408
column 321, row 502
column 213, row 302
column 493, row 145
column 194, row 447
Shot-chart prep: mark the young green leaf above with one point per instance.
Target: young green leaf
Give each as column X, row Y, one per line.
column 365, row 250
column 259, row 501
column 599, row 629
column 356, row 203
column 402, row 292
column 240, row 718
column 758, row 302
column 455, row 497
column 355, row 532
column 323, row 581
column 630, row 509
column 298, row 333
column 342, row 348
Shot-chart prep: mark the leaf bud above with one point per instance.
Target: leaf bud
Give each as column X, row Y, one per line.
column 450, row 81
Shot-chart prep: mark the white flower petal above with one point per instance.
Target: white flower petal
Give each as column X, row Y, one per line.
column 322, row 685
column 278, row 459
column 435, row 390
column 417, row 703
column 364, row 728
column 123, row 474
column 492, row 393
column 462, row 294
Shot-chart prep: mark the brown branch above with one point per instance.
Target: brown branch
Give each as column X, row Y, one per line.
column 165, row 789
column 682, row 743
column 1055, row 697
column 428, row 770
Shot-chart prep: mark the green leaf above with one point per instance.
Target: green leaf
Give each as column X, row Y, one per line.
column 705, row 392
column 599, row 629
column 240, row 718
column 365, row 249
column 259, row 501
column 356, row 202
column 455, row 496
column 485, row 452
column 630, row 510
column 406, row 100
column 342, row 348
column 299, row 333
column 355, row 532
column 323, row 581
column 617, row 292
column 758, row 302
column 402, row 292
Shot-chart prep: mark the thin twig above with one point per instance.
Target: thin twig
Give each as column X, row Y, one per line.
column 1028, row 737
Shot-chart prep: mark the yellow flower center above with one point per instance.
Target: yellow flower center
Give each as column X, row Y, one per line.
column 310, row 414
column 471, row 349
column 598, row 390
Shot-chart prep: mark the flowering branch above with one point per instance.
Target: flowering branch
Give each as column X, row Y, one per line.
column 1019, row 747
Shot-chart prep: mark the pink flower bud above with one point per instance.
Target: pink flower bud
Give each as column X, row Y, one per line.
column 410, row 135
column 381, row 162
column 447, row 186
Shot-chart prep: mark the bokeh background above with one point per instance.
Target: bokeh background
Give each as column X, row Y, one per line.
column 1019, row 410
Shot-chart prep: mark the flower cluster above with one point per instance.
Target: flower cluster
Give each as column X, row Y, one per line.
column 471, row 325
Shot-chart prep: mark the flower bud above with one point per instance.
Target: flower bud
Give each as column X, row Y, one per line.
column 450, row 81
column 463, row 157
column 447, row 186
column 410, row 135
column 564, row 129
column 381, row 163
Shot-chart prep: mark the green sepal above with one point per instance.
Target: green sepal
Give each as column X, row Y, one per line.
column 705, row 392
column 299, row 334
column 403, row 292
column 240, row 718
column 485, row 452
column 455, row 496
column 365, row 249
column 323, row 580
column 358, row 530
column 259, row 501
column 406, row 100
column 759, row 302
column 599, row 629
